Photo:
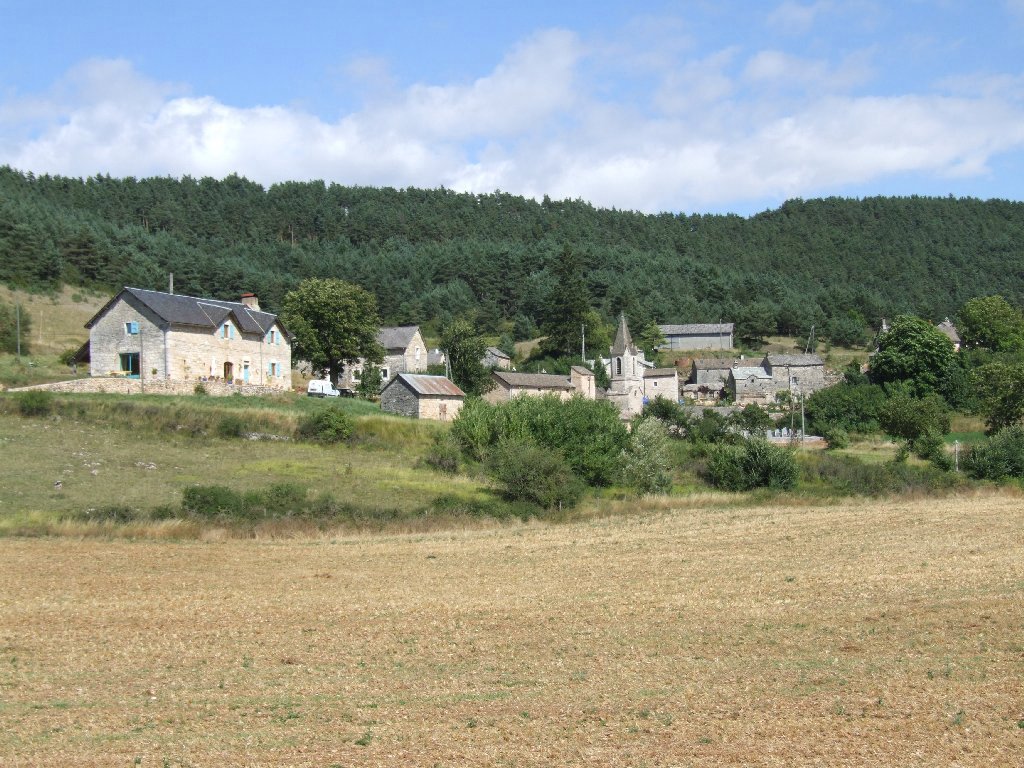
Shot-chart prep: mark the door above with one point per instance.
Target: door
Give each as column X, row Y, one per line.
column 229, row 371
column 245, row 371
column 130, row 364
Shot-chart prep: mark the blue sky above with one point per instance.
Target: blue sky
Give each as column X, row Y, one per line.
column 691, row 106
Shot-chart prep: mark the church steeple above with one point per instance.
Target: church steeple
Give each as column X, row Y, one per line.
column 623, row 340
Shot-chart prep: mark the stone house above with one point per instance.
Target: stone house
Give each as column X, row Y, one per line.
column 751, row 384
column 697, row 336
column 708, row 378
column 510, row 384
column 661, row 382
column 422, row 397
column 949, row 330
column 762, row 384
column 404, row 352
column 146, row 335
column 495, row 358
column 803, row 374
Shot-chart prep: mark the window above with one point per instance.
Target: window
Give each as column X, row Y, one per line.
column 356, row 373
column 131, row 328
column 273, row 337
column 384, row 374
column 227, row 331
column 618, row 366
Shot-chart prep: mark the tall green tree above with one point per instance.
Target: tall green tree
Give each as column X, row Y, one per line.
column 991, row 322
column 335, row 323
column 566, row 312
column 915, row 353
column 465, row 350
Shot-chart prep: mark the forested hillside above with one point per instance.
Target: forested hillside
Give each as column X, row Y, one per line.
column 838, row 263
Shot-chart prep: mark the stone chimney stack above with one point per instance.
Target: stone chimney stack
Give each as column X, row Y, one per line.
column 250, row 300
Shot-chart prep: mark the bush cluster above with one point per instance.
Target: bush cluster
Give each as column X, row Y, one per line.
column 847, row 475
column 35, row 403
column 527, row 472
column 326, row 425
column 587, row 433
column 1000, row 457
column 755, row 464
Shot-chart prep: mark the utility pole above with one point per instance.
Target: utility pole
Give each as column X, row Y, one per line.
column 17, row 327
column 583, row 343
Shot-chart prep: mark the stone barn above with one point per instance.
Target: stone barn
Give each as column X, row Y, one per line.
column 697, row 336
column 422, row 397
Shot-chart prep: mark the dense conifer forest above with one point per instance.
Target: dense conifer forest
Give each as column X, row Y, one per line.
column 841, row 264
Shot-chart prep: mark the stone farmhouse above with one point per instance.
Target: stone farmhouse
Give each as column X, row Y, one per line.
column 708, row 378
column 762, row 384
column 495, row 358
column 422, row 397
column 511, row 384
column 697, row 336
column 949, row 330
column 404, row 352
column 142, row 334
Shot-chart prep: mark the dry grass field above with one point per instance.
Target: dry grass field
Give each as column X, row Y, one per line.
column 866, row 633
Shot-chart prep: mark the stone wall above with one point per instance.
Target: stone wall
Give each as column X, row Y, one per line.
column 109, row 339
column 399, row 399
column 440, row 408
column 126, row 386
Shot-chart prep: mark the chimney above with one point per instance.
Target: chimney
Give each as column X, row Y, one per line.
column 250, row 300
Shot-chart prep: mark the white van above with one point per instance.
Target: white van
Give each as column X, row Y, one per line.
column 322, row 388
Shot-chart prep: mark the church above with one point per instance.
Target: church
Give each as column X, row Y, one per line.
column 634, row 380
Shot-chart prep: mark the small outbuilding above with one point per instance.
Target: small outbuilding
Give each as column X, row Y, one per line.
column 422, row 397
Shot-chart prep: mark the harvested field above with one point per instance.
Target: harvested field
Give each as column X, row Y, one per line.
column 867, row 633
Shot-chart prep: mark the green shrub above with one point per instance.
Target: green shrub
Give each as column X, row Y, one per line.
column 588, row 433
column 35, row 402
column 853, row 407
column 200, row 390
column 848, row 475
column 756, row 464
column 836, row 437
column 231, row 425
column 326, row 425
column 212, row 501
column 444, row 454
column 1001, row 456
column 528, row 472
column 911, row 417
column 646, row 466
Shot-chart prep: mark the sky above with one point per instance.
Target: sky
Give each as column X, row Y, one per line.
column 728, row 106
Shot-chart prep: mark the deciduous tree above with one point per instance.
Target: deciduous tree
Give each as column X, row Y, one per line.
column 335, row 323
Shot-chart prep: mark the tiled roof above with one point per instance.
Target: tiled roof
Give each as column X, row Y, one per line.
column 536, row 380
column 422, row 384
column 398, row 337
column 695, row 329
column 176, row 309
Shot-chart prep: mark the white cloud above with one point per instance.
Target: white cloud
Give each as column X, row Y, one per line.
column 797, row 18
column 708, row 135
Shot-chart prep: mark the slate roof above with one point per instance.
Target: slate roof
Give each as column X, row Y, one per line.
column 623, row 340
column 177, row 309
column 793, row 360
column 741, row 373
column 397, row 337
column 582, row 371
column 428, row 386
column 536, row 380
column 651, row 373
column 695, row 329
column 713, row 363
column 495, row 352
